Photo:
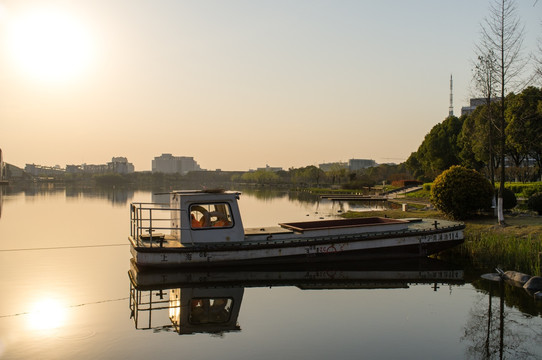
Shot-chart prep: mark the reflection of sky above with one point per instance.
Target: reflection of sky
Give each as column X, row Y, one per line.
column 86, row 291
column 256, row 213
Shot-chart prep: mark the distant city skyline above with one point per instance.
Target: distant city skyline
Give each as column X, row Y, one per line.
column 235, row 84
column 168, row 163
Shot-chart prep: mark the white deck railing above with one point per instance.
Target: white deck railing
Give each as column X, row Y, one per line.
column 148, row 218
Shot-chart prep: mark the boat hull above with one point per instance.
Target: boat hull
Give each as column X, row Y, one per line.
column 337, row 248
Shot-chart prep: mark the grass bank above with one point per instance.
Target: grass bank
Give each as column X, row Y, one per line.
column 517, row 246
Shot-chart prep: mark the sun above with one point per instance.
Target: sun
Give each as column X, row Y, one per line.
column 49, row 44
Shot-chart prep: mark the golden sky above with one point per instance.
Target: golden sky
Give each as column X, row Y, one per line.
column 235, row 84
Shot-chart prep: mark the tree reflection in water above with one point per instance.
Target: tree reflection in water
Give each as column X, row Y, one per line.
column 497, row 332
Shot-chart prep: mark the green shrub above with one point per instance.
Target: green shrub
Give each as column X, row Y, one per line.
column 427, row 186
column 509, row 198
column 535, row 203
column 459, row 192
column 532, row 189
column 525, row 189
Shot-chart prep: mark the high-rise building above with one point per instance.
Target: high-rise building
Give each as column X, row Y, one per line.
column 357, row 164
column 474, row 103
column 120, row 165
column 169, row 164
column 333, row 166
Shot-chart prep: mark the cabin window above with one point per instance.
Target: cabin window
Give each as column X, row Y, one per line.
column 210, row 310
column 216, row 215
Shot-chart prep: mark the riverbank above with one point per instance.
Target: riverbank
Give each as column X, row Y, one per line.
column 516, row 246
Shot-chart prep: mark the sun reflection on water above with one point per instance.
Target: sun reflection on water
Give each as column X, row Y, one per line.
column 47, row 314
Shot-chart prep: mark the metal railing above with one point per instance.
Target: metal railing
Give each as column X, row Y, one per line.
column 147, row 218
column 145, row 303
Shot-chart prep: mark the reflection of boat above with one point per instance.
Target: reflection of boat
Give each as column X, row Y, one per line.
column 205, row 228
column 190, row 310
column 209, row 301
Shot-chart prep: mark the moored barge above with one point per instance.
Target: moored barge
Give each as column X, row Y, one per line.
column 204, row 228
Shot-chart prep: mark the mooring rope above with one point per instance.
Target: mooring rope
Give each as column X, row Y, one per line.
column 63, row 247
column 69, row 306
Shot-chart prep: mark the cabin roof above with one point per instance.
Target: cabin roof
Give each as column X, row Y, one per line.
column 206, row 191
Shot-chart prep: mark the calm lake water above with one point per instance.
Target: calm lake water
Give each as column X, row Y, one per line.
column 66, row 294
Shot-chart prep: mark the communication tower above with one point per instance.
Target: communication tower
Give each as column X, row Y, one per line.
column 451, row 109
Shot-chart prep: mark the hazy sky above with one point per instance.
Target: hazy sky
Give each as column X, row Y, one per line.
column 235, row 84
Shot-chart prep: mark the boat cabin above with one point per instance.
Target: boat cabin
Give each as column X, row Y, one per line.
column 205, row 217
column 191, row 217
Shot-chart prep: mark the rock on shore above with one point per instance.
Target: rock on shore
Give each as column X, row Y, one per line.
column 532, row 284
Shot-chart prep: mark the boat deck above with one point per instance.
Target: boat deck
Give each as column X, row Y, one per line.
column 165, row 241
column 268, row 230
column 158, row 241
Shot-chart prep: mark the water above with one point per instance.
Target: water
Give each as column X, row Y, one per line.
column 65, row 294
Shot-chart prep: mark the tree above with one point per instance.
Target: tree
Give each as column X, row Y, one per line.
column 470, row 142
column 538, row 62
column 502, row 34
column 439, row 149
column 485, row 79
column 536, row 145
column 261, row 176
column 307, row 175
column 414, row 165
column 524, row 125
column 337, row 173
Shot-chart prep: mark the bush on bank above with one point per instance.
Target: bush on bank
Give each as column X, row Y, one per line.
column 460, row 192
column 535, row 203
column 509, row 198
column 525, row 190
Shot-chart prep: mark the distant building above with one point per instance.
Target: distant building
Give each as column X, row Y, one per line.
column 169, row 164
column 74, row 169
column 120, row 165
column 94, row 169
column 39, row 170
column 474, row 103
column 333, row 166
column 12, row 171
column 270, row 168
column 117, row 165
column 358, row 164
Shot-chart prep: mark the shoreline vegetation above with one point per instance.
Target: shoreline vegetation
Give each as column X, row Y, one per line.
column 516, row 246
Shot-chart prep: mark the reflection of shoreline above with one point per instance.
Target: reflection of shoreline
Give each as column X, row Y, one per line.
column 514, row 297
column 124, row 195
column 209, row 300
column 491, row 331
column 113, row 195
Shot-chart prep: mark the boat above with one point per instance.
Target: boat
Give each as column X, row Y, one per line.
column 204, row 228
column 209, row 300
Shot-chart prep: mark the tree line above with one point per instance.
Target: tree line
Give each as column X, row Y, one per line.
column 467, row 141
column 308, row 176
